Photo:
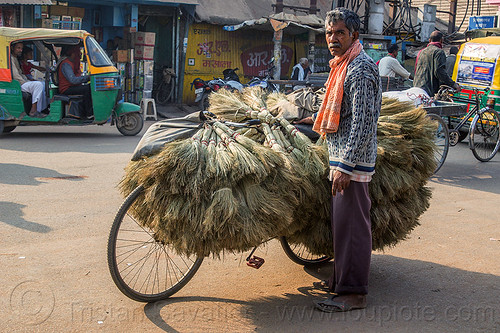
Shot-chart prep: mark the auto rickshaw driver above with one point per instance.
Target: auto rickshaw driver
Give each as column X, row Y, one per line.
column 71, row 80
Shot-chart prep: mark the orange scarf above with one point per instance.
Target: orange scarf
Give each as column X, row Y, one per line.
column 328, row 117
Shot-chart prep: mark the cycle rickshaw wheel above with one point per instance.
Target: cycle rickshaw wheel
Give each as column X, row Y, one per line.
column 442, row 141
column 484, row 135
column 299, row 254
column 143, row 268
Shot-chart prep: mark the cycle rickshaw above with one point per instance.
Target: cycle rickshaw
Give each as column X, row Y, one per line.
column 473, row 112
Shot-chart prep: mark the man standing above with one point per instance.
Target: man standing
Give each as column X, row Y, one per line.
column 430, row 68
column 450, row 60
column 300, row 72
column 348, row 117
column 35, row 88
column 389, row 66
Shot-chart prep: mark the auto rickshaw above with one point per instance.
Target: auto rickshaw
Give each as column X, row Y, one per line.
column 104, row 82
column 477, row 71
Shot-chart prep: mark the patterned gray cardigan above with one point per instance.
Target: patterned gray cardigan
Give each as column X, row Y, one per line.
column 353, row 148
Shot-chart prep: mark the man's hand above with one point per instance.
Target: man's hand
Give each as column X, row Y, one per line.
column 340, row 182
column 307, row 120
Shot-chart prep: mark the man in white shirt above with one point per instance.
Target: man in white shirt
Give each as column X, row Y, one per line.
column 301, row 71
column 35, row 88
column 390, row 66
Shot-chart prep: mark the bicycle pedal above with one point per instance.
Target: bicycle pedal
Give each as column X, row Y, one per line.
column 255, row 262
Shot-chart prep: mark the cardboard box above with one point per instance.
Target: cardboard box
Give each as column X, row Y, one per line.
column 143, row 38
column 123, row 55
column 144, row 52
column 148, row 67
column 148, row 82
column 47, row 23
column 65, row 10
column 76, row 11
column 58, row 10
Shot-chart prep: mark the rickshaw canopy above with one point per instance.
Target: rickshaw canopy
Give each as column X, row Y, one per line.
column 477, row 63
column 52, row 36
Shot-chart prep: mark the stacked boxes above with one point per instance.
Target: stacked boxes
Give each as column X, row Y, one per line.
column 144, row 44
column 143, row 79
column 136, row 65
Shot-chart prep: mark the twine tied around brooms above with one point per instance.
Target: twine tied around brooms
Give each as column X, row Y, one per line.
column 228, row 189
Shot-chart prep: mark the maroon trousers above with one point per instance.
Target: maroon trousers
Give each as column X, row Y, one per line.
column 352, row 240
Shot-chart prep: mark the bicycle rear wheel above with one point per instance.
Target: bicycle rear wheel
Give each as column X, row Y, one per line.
column 442, row 141
column 143, row 268
column 299, row 254
column 484, row 135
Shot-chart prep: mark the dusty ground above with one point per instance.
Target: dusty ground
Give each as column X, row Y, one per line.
column 58, row 198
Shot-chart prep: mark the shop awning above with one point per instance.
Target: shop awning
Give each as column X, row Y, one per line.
column 25, row 2
column 295, row 24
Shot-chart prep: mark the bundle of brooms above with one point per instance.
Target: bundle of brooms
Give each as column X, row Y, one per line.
column 225, row 190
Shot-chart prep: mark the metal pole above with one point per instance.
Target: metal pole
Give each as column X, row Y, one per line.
column 452, row 17
column 278, row 36
column 312, row 37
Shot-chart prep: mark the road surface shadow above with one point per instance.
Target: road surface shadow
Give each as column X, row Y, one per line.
column 97, row 143
column 12, row 214
column 18, row 174
column 405, row 295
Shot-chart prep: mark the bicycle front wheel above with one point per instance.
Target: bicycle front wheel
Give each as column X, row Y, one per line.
column 144, row 269
column 484, row 135
column 441, row 139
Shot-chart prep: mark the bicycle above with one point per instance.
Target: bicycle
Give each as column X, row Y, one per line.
column 148, row 270
column 483, row 132
column 165, row 89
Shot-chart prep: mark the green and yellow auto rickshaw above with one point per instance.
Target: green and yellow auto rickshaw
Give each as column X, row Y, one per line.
column 105, row 83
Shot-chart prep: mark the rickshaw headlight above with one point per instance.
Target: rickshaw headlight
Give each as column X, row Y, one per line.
column 490, row 102
column 107, row 83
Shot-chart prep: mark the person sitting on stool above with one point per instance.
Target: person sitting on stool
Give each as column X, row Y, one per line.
column 71, row 80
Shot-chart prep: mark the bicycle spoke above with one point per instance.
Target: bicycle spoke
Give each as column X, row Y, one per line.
column 485, row 135
column 143, row 268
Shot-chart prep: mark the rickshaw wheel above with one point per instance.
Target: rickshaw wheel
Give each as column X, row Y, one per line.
column 8, row 129
column 442, row 141
column 143, row 268
column 485, row 135
column 299, row 254
column 130, row 124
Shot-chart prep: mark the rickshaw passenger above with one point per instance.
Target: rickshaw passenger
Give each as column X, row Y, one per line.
column 35, row 88
column 27, row 66
column 71, row 80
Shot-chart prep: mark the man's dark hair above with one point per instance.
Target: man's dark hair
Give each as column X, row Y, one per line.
column 350, row 18
column 453, row 50
column 436, row 36
column 26, row 50
column 392, row 48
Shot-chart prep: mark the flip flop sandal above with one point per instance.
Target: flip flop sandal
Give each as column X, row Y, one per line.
column 329, row 305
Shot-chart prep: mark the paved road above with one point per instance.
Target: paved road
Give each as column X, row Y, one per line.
column 58, row 197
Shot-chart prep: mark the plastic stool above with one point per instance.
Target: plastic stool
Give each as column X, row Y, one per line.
column 145, row 102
